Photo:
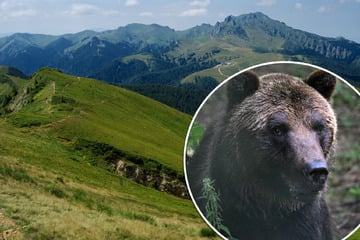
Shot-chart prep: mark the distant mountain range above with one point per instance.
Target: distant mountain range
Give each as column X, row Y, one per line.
column 156, row 55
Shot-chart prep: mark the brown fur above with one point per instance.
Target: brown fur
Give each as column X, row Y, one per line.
column 259, row 169
column 281, row 93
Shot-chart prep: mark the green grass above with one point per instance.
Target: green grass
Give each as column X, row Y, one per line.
column 105, row 113
column 9, row 86
column 51, row 190
column 195, row 136
column 355, row 235
column 207, row 232
column 18, row 174
column 43, row 188
column 236, row 59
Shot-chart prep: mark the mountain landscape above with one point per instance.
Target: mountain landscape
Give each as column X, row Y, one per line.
column 96, row 159
column 82, row 159
column 154, row 59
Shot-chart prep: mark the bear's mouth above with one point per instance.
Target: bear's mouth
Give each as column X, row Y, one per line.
column 304, row 189
column 304, row 195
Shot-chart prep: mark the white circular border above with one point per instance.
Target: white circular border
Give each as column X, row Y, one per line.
column 213, row 91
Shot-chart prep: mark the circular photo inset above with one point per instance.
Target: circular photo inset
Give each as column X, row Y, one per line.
column 274, row 153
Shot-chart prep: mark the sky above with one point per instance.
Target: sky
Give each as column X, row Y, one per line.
column 329, row 18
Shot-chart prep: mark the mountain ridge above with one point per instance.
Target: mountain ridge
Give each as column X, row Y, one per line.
column 155, row 55
column 163, row 36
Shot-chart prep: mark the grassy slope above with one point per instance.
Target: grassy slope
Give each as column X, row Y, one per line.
column 48, row 189
column 8, row 82
column 237, row 54
column 104, row 113
column 49, row 192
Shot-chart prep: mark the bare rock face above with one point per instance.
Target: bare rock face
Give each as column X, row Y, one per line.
column 158, row 180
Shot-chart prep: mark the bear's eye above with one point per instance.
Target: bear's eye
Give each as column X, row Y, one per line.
column 319, row 127
column 278, row 124
column 279, row 130
column 318, row 123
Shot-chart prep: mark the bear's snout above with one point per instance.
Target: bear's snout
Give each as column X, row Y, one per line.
column 317, row 172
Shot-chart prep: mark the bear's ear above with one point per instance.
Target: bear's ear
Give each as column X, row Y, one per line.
column 323, row 82
column 241, row 86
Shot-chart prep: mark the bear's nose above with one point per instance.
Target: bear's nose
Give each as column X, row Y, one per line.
column 317, row 171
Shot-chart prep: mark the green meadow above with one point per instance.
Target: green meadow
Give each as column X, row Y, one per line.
column 52, row 190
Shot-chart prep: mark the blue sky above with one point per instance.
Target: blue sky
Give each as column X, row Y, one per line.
column 331, row 18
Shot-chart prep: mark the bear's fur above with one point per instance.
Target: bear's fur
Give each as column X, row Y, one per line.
column 268, row 155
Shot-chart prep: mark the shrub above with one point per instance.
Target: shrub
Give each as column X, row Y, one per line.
column 57, row 192
column 17, row 174
column 212, row 207
column 207, row 232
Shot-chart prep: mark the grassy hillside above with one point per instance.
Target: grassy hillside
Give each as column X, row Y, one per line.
column 235, row 56
column 72, row 108
column 49, row 192
column 11, row 80
column 50, row 189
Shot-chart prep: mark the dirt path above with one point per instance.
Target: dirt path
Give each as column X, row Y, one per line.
column 221, row 73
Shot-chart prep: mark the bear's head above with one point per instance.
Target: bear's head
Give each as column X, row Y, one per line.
column 283, row 131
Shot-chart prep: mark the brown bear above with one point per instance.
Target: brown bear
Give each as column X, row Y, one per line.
column 268, row 154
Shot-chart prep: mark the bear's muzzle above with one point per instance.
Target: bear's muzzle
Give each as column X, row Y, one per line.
column 316, row 171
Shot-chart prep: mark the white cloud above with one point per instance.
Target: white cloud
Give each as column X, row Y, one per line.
column 266, row 3
column 110, row 12
column 16, row 9
column 193, row 12
column 146, row 14
column 4, row 5
column 201, row 4
column 130, row 3
column 299, row 6
column 83, row 9
column 24, row 13
column 11, row 5
column 345, row 1
column 323, row 9
column 199, row 7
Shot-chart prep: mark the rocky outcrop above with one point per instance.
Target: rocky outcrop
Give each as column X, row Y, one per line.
column 139, row 169
column 333, row 49
column 229, row 27
column 159, row 180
